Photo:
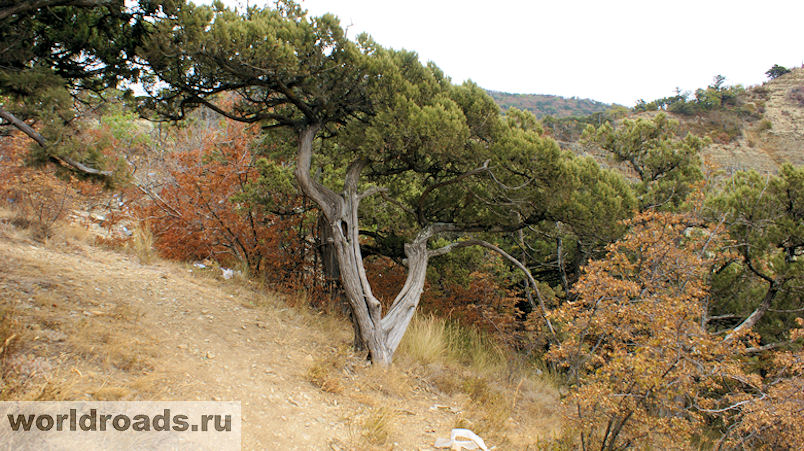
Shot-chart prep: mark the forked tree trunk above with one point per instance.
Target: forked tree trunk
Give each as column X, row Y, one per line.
column 381, row 335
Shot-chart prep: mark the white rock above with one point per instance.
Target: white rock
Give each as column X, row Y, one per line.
column 471, row 441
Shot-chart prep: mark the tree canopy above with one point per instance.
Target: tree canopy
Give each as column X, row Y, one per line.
column 776, row 71
column 669, row 304
column 55, row 51
column 430, row 158
column 664, row 164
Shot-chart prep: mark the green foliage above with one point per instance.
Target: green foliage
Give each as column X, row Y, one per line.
column 717, row 96
column 419, row 135
column 273, row 191
column 720, row 110
column 427, row 154
column 776, row 71
column 126, row 127
column 524, row 120
column 570, row 129
column 60, row 56
column 83, row 45
column 665, row 165
column 765, row 218
column 312, row 72
column 678, row 102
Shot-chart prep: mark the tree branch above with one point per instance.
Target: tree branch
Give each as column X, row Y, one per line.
column 22, row 126
column 431, row 188
column 327, row 200
column 22, row 7
column 371, row 191
column 757, row 314
column 475, row 242
column 36, row 136
column 767, row 347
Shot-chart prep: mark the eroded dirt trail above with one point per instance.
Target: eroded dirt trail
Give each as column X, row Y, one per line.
column 187, row 336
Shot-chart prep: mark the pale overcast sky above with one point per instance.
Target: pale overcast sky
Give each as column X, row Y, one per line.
column 613, row 51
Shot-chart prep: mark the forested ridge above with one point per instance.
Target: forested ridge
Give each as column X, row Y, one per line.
column 625, row 252
column 548, row 105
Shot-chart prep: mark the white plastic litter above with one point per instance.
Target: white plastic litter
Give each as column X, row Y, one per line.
column 227, row 273
column 470, row 441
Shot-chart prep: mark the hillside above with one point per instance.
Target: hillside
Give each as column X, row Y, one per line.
column 764, row 145
column 548, row 105
column 95, row 324
column 764, row 129
column 259, row 206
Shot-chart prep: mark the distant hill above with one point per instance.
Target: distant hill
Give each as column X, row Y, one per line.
column 548, row 105
column 760, row 128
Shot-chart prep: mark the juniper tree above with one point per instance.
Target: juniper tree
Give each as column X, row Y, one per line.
column 434, row 162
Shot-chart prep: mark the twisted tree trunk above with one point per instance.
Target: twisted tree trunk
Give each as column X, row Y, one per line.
column 381, row 335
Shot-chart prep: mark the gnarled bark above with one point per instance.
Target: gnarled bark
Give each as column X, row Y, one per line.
column 381, row 335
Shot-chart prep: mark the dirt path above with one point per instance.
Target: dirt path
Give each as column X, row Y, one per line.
column 163, row 331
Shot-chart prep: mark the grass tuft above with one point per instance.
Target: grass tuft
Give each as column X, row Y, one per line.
column 9, row 340
column 431, row 340
column 142, row 244
column 490, row 407
column 72, row 231
column 425, row 341
column 323, row 373
column 377, row 426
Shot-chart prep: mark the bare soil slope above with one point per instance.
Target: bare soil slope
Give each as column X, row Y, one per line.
column 96, row 324
column 778, row 139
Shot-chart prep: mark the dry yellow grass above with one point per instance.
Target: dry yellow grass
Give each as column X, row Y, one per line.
column 9, row 330
column 430, row 339
column 489, row 407
column 75, row 232
column 91, row 318
column 15, row 224
column 425, row 341
column 101, row 354
column 9, row 338
column 6, row 214
column 141, row 243
column 497, row 386
column 323, row 373
column 378, row 426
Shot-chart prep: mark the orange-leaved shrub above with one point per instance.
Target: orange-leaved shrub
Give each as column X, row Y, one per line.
column 485, row 302
column 218, row 202
column 771, row 419
column 643, row 367
column 482, row 300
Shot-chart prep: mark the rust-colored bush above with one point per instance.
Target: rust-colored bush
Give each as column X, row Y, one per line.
column 483, row 303
column 38, row 196
column 207, row 209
